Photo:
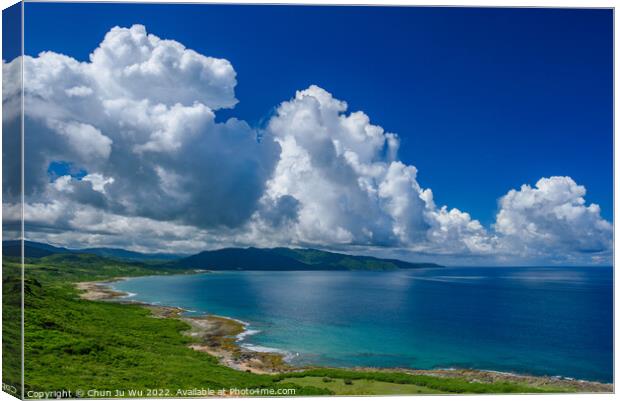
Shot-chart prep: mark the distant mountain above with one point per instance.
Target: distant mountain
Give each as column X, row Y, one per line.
column 228, row 258
column 32, row 249
column 39, row 250
column 290, row 259
column 129, row 255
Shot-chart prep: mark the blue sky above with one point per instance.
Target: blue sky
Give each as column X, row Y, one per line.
column 179, row 128
column 484, row 100
column 11, row 32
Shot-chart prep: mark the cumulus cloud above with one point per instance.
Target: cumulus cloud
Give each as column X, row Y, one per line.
column 85, row 140
column 342, row 171
column 132, row 64
column 552, row 215
column 79, row 91
column 78, row 225
column 98, row 181
column 139, row 117
column 160, row 174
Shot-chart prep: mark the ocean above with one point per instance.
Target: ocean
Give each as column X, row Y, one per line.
column 554, row 321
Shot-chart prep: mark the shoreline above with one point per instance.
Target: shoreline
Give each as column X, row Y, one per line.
column 219, row 337
column 215, row 335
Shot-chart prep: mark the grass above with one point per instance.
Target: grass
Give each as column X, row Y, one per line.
column 433, row 383
column 360, row 387
column 76, row 344
column 11, row 328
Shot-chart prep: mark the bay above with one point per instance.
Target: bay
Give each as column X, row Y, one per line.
column 530, row 320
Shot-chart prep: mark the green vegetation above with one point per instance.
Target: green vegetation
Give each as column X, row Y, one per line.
column 290, row 259
column 360, row 387
column 68, row 268
column 13, row 248
column 11, row 327
column 374, row 382
column 77, row 344
column 226, row 259
column 74, row 344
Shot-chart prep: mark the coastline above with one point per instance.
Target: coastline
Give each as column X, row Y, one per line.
column 100, row 290
column 219, row 337
column 215, row 335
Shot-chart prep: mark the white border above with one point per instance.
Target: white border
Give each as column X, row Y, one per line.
column 461, row 3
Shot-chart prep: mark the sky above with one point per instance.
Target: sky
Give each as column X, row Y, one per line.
column 482, row 102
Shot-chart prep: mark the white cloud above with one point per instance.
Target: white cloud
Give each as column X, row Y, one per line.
column 98, row 181
column 141, row 114
column 11, row 89
column 79, row 91
column 552, row 216
column 162, row 174
column 78, row 226
column 341, row 169
column 401, row 196
column 132, row 64
column 63, row 183
column 170, row 127
column 87, row 141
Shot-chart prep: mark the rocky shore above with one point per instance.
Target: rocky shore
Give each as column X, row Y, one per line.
column 215, row 335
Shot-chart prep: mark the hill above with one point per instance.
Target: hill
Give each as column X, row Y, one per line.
column 39, row 250
column 32, row 249
column 290, row 259
column 129, row 255
column 225, row 259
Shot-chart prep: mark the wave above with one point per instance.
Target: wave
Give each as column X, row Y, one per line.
column 246, row 333
column 245, row 324
column 287, row 355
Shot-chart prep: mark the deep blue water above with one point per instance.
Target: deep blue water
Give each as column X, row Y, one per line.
column 551, row 321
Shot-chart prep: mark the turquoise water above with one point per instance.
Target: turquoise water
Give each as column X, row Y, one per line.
column 543, row 321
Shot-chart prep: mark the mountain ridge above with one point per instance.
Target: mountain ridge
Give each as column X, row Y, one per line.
column 251, row 258
column 39, row 249
column 273, row 259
